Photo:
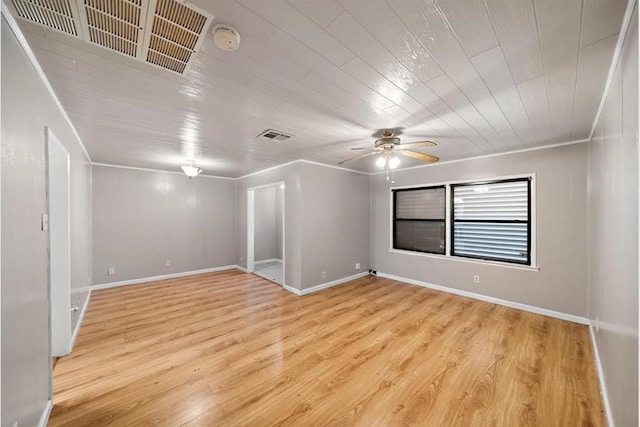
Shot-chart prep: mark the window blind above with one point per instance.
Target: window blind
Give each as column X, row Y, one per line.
column 491, row 221
column 419, row 219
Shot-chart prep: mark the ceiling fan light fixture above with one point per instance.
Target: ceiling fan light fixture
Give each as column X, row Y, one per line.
column 190, row 170
column 381, row 162
column 394, row 162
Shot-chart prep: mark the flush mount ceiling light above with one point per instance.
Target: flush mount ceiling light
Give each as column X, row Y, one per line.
column 226, row 37
column 190, row 170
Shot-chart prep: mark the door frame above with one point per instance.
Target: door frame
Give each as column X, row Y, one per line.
column 251, row 226
column 59, row 214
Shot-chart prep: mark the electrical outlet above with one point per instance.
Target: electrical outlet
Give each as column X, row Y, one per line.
column 357, row 266
column 112, row 271
column 476, row 279
column 323, row 274
column 168, row 263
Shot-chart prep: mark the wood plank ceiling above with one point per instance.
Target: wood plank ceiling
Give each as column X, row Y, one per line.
column 477, row 77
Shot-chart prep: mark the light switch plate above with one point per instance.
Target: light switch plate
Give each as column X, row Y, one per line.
column 44, row 222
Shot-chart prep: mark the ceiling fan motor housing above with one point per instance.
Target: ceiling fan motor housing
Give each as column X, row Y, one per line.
column 391, row 141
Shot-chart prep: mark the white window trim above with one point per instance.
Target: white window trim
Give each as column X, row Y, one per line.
column 534, row 237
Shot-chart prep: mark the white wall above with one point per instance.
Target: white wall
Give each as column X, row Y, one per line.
column 335, row 213
column 613, row 236
column 144, row 218
column 266, row 226
column 560, row 186
column 27, row 107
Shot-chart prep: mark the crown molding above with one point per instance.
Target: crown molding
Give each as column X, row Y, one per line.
column 505, row 153
column 622, row 35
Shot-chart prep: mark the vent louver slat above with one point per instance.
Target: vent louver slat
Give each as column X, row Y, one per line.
column 169, row 48
column 166, row 62
column 165, row 33
column 170, row 31
column 112, row 42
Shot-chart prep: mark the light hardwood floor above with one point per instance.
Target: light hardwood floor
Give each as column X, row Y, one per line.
column 231, row 348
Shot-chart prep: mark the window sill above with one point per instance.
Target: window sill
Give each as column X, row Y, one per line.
column 463, row 259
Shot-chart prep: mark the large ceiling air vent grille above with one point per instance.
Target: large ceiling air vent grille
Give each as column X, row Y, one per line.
column 57, row 14
column 175, row 35
column 165, row 33
column 114, row 24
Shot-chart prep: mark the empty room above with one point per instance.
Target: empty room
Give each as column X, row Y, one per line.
column 319, row 212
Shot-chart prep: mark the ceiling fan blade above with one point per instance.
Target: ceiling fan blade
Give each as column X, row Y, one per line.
column 420, row 156
column 415, row 145
column 365, row 148
column 359, row 157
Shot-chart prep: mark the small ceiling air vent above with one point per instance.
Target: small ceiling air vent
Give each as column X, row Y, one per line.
column 165, row 33
column 274, row 135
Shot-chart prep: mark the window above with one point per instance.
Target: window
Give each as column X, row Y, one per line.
column 492, row 220
column 484, row 220
column 419, row 219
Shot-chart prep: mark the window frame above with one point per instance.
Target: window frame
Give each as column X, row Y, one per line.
column 444, row 219
column 453, row 221
column 533, row 259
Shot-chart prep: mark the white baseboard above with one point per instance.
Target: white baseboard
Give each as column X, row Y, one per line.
column 292, row 290
column 324, row 285
column 241, row 268
column 80, row 318
column 265, row 261
column 519, row 306
column 603, row 385
column 163, row 277
column 46, row 412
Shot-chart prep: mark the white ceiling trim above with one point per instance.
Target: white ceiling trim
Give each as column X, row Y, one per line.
column 267, row 169
column 626, row 21
column 32, row 58
column 108, row 165
column 307, row 162
column 310, row 162
column 506, row 153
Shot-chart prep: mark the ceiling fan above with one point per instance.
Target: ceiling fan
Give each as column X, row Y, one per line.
column 388, row 145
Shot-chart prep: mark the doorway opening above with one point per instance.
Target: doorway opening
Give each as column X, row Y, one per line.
column 265, row 232
column 58, row 204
